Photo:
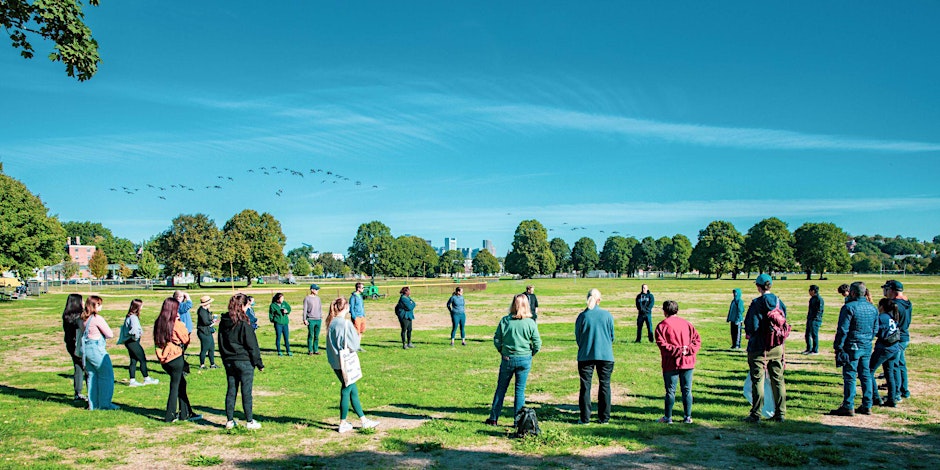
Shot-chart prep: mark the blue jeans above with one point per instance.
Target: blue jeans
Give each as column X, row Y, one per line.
column 857, row 366
column 900, row 372
column 460, row 320
column 812, row 336
column 519, row 367
column 281, row 331
column 889, row 359
column 100, row 375
column 640, row 320
column 684, row 377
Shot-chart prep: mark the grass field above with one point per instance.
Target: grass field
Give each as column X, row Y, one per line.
column 432, row 400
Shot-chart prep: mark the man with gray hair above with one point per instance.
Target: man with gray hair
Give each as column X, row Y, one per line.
column 594, row 333
column 855, row 330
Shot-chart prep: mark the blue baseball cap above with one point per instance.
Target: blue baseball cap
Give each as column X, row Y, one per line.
column 763, row 279
column 314, row 287
column 894, row 285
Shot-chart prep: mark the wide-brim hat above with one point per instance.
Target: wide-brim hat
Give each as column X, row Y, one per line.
column 205, row 300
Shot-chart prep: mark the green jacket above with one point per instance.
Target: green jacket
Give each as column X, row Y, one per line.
column 517, row 337
column 276, row 315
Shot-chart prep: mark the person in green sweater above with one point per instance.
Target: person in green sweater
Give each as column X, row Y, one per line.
column 517, row 340
column 405, row 311
column 278, row 313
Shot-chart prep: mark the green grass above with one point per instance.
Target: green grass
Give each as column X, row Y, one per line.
column 432, row 400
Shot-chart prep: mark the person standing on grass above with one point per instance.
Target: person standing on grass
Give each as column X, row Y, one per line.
column 71, row 325
column 843, row 290
column 313, row 316
column 238, row 348
column 252, row 318
column 405, row 311
column 517, row 340
column 894, row 290
column 205, row 326
column 678, row 343
column 97, row 361
column 342, row 334
column 170, row 339
column 130, row 335
column 279, row 314
column 814, row 318
column 887, row 349
column 760, row 357
column 736, row 318
column 533, row 302
column 357, row 311
column 644, row 313
column 594, row 333
column 458, row 316
column 186, row 304
column 858, row 322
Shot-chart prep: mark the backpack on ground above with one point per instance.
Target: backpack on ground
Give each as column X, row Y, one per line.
column 777, row 328
column 527, row 423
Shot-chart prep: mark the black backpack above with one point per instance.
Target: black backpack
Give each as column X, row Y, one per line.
column 527, row 423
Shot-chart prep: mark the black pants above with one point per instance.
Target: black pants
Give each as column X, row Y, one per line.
column 178, row 395
column 206, row 346
column 405, row 330
column 640, row 320
column 586, row 372
column 136, row 353
column 243, row 374
column 78, row 372
column 736, row 329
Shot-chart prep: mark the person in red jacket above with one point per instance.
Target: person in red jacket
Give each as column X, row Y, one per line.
column 678, row 344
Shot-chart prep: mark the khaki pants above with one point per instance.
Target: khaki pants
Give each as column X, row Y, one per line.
column 772, row 362
column 360, row 324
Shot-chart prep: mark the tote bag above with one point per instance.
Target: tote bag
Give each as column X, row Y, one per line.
column 349, row 365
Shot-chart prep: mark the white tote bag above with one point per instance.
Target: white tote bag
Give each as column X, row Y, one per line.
column 349, row 364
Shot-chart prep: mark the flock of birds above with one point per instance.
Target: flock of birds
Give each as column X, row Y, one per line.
column 328, row 176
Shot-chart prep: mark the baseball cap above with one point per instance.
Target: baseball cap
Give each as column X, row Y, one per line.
column 314, row 287
column 763, row 279
column 893, row 285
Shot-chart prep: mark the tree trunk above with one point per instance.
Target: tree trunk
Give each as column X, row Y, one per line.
column 809, row 275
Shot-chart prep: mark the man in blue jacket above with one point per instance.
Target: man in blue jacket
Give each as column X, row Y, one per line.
column 858, row 322
column 644, row 313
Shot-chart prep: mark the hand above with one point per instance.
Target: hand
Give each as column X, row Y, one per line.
column 305, row 322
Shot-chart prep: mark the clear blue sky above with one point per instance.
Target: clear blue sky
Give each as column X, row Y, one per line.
column 464, row 118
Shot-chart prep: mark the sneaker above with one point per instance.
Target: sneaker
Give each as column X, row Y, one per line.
column 213, row 366
column 404, row 346
column 842, row 411
column 490, row 422
column 805, row 353
column 906, row 394
column 889, row 404
column 605, row 421
column 290, row 353
column 111, row 407
column 583, row 423
column 345, row 427
column 863, row 410
column 463, row 342
column 664, row 420
column 451, row 343
column 815, row 353
column 252, row 425
column 309, row 353
column 778, row 418
column 687, row 420
column 316, row 353
column 410, row 345
column 230, row 425
column 80, row 397
column 194, row 418
column 151, row 381
column 752, row 419
column 368, row 423
column 279, row 353
column 202, row 367
column 134, row 383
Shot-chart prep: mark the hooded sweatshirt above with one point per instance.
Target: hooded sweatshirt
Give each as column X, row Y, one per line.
column 905, row 310
column 237, row 341
column 755, row 320
column 736, row 310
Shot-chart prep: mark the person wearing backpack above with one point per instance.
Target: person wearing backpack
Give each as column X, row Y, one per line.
column 765, row 350
column 855, row 330
column 887, row 350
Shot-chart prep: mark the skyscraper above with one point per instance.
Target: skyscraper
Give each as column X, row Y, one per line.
column 450, row 243
column 488, row 245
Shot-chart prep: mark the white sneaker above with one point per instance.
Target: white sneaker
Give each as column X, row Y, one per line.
column 252, row 425
column 134, row 383
column 151, row 381
column 345, row 427
column 368, row 423
column 230, row 425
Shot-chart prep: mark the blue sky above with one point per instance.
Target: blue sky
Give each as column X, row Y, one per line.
column 464, row 118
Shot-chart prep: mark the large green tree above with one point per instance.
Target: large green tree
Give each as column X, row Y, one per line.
column 29, row 237
column 676, row 256
column 330, row 265
column 768, row 246
column 148, row 267
column 644, row 255
column 615, row 256
column 718, row 250
column 192, row 243
column 259, row 244
column 450, row 262
column 485, row 263
column 820, row 247
column 663, row 246
column 562, row 254
column 372, row 238
column 584, row 256
column 301, row 252
column 98, row 264
column 59, row 21
column 530, row 254
column 410, row 256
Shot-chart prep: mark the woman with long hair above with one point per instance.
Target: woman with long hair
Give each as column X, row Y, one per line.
column 131, row 332
column 517, row 340
column 97, row 361
column 279, row 314
column 405, row 311
column 71, row 324
column 342, row 334
column 238, row 347
column 170, row 338
column 458, row 316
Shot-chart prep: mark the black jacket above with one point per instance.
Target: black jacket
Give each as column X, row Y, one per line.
column 237, row 342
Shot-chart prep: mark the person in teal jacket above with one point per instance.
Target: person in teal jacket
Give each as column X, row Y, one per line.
column 736, row 318
column 405, row 311
column 279, row 314
column 594, row 333
column 458, row 316
column 517, row 340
